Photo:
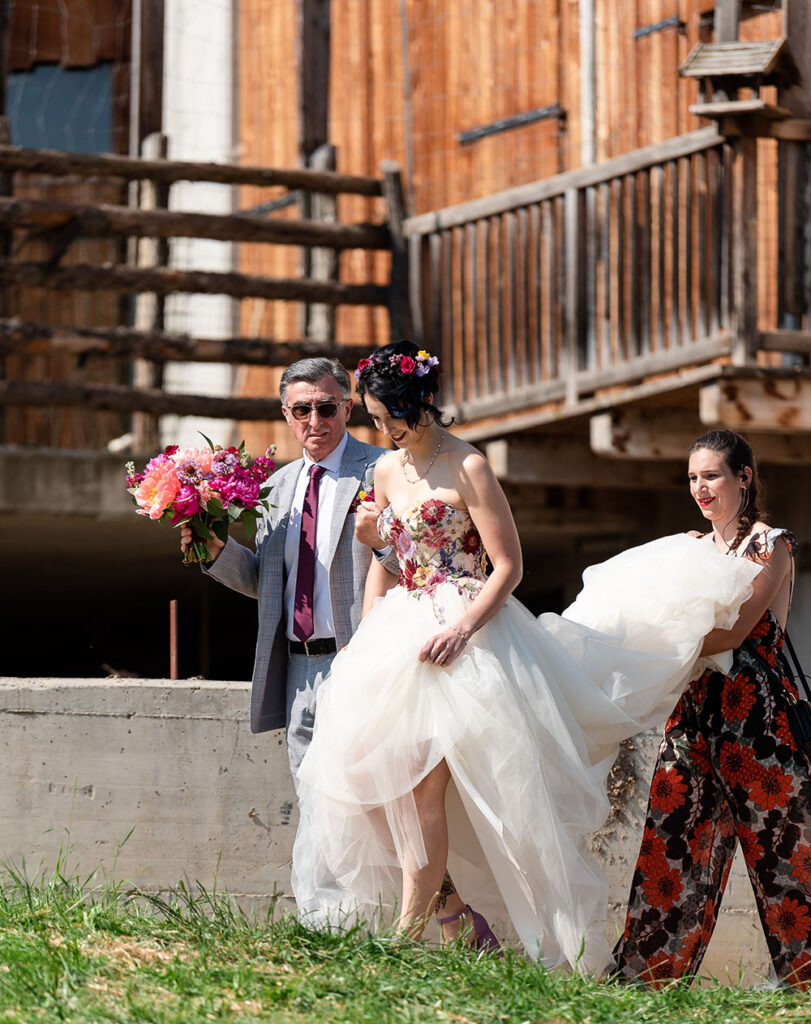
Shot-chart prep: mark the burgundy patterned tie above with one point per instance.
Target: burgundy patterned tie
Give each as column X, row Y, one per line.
column 305, row 574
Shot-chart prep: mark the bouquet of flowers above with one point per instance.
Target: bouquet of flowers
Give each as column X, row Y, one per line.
column 208, row 488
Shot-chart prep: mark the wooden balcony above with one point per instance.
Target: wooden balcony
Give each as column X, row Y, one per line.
column 627, row 289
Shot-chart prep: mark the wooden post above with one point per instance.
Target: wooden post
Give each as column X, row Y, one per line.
column 313, row 64
column 318, row 320
column 726, row 21
column 173, row 640
column 400, row 320
column 149, row 307
column 744, row 250
column 146, row 71
column 575, row 256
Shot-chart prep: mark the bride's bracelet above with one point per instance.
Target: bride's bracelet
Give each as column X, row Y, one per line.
column 461, row 635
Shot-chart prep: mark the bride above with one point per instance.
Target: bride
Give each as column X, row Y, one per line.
column 457, row 731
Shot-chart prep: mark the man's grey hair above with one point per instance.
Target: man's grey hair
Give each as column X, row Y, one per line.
column 311, row 370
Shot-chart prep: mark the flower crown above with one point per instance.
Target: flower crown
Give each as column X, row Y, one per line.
column 418, row 365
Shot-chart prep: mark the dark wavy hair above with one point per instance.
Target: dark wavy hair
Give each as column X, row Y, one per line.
column 738, row 455
column 405, row 395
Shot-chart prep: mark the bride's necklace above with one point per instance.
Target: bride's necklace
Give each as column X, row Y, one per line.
column 407, row 459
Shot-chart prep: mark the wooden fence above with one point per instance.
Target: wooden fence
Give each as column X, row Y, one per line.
column 636, row 266
column 50, row 227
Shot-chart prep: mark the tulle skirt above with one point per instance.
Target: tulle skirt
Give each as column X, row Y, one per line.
column 528, row 720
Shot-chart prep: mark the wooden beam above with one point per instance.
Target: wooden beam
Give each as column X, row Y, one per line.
column 559, row 461
column 744, row 250
column 164, row 281
column 30, row 339
column 51, row 161
column 313, row 67
column 765, row 403
column 798, row 342
column 104, row 219
column 112, row 398
column 400, row 323
column 547, row 408
column 642, row 433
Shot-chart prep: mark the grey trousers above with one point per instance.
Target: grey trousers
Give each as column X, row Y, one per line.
column 304, row 677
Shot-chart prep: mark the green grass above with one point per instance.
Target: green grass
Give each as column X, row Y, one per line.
column 71, row 952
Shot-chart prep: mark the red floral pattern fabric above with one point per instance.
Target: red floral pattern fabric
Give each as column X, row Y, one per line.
column 728, row 772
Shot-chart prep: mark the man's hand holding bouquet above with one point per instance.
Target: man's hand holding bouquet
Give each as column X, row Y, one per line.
column 205, row 489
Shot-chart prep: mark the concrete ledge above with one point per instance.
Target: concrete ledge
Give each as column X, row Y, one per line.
column 174, row 763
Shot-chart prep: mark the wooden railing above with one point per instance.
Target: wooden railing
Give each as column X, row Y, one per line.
column 44, row 245
column 592, row 278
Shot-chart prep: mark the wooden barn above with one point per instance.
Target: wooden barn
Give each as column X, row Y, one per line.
column 596, row 212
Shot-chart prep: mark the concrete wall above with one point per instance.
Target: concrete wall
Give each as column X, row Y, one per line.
column 173, row 769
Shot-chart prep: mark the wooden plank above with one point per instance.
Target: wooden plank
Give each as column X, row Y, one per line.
column 605, row 320
column 544, row 406
column 786, row 341
column 658, row 183
column 561, row 461
column 33, row 339
column 476, row 331
column 764, row 404
column 51, row 394
column 46, row 161
column 321, row 263
column 400, row 323
column 620, row 274
column 644, row 268
column 524, row 195
column 313, row 74
column 165, row 281
column 688, row 326
column 590, row 231
column 744, row 250
column 637, row 433
column 573, row 339
column 106, row 220
column 510, row 341
column 675, row 227
column 534, row 288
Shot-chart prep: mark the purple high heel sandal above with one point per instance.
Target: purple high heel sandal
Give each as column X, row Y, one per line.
column 485, row 939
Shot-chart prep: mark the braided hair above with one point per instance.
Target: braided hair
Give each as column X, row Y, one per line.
column 738, row 455
column 403, row 378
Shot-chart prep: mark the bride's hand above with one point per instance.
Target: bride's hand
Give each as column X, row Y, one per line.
column 444, row 648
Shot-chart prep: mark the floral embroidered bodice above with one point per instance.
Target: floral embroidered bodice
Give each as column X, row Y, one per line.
column 435, row 543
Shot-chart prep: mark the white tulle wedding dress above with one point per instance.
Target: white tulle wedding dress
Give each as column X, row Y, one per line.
column 528, row 719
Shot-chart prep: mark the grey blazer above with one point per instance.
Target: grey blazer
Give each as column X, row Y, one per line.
column 261, row 575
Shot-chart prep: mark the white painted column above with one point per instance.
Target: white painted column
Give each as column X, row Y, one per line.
column 198, row 106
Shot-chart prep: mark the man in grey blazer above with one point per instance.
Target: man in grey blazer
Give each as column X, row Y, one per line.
column 316, row 399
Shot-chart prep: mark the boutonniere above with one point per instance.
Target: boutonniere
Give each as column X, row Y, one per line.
column 366, row 493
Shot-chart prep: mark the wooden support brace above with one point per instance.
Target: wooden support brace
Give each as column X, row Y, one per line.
column 646, row 433
column 563, row 461
column 163, row 281
column 767, row 404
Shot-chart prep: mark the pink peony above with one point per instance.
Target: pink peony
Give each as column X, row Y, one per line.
column 158, row 489
column 187, row 502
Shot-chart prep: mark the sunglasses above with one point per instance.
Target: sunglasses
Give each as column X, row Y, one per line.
column 326, row 410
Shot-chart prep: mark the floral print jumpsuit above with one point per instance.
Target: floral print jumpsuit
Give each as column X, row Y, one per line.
column 728, row 771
